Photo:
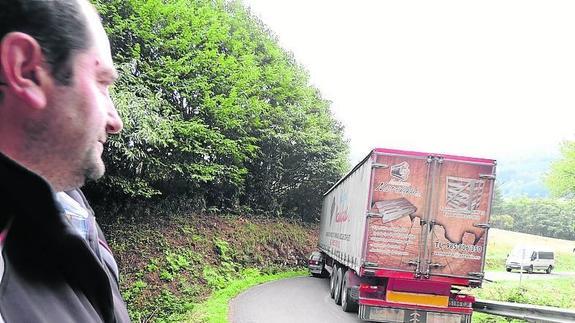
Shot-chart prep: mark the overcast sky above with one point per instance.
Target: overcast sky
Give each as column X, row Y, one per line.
column 492, row 79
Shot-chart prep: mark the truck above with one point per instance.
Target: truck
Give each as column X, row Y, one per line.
column 404, row 232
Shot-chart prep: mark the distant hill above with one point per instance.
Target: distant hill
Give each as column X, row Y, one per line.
column 523, row 176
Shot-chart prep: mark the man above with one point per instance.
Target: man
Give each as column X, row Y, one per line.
column 55, row 115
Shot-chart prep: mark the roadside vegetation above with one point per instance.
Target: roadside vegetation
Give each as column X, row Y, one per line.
column 196, row 263
column 558, row 292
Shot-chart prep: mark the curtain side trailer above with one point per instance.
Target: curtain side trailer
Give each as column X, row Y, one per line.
column 403, row 231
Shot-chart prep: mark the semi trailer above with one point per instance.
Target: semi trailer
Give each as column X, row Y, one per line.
column 403, row 232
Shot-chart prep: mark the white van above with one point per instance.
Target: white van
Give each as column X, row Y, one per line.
column 530, row 259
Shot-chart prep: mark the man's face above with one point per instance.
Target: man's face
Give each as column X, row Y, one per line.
column 80, row 115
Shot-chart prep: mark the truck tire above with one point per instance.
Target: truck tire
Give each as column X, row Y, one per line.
column 508, row 270
column 348, row 304
column 332, row 281
column 548, row 270
column 338, row 281
column 530, row 269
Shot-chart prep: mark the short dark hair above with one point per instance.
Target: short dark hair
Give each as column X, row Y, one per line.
column 59, row 26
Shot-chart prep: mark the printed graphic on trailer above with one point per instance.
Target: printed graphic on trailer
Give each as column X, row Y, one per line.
column 398, row 196
column 461, row 202
column 458, row 241
column 338, row 214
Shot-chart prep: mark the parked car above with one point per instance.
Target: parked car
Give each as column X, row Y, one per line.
column 530, row 259
column 316, row 264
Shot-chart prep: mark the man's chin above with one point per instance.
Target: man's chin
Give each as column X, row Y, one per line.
column 95, row 172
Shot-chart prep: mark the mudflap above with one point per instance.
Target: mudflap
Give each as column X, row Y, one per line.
column 399, row 315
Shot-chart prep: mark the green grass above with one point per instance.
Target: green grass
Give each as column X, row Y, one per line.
column 558, row 292
column 215, row 308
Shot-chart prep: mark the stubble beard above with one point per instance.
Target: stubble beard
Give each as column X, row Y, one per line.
column 92, row 167
column 62, row 162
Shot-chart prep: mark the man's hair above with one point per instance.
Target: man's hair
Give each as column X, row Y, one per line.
column 59, row 26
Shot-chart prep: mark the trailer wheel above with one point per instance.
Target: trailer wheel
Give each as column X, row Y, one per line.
column 338, row 282
column 332, row 281
column 348, row 304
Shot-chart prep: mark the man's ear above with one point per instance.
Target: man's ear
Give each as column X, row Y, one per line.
column 23, row 68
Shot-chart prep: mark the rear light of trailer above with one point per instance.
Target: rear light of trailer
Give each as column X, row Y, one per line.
column 371, row 291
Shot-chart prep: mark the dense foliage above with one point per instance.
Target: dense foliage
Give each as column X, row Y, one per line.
column 545, row 217
column 215, row 112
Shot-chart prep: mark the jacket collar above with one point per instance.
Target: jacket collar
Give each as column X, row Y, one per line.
column 41, row 244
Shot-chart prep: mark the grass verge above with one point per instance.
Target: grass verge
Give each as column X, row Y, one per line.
column 215, row 308
column 559, row 292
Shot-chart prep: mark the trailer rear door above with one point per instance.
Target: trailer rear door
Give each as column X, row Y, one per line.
column 459, row 216
column 398, row 204
column 428, row 214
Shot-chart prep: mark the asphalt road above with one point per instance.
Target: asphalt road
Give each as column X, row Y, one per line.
column 306, row 300
column 301, row 299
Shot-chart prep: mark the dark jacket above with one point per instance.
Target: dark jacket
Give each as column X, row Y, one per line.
column 48, row 271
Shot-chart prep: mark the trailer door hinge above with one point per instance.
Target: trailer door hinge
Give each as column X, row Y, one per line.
column 475, row 274
column 487, row 176
column 482, row 225
column 436, row 265
column 413, row 262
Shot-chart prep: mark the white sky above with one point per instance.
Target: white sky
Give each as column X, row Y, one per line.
column 492, row 79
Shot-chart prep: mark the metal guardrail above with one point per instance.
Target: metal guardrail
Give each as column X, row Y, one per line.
column 530, row 313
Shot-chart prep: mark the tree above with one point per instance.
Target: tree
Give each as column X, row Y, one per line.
column 502, row 221
column 546, row 217
column 214, row 109
column 561, row 178
column 497, row 203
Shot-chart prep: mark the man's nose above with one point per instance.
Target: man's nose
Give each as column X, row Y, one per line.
column 114, row 124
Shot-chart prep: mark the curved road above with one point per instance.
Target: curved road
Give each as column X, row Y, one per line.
column 306, row 300
column 301, row 299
